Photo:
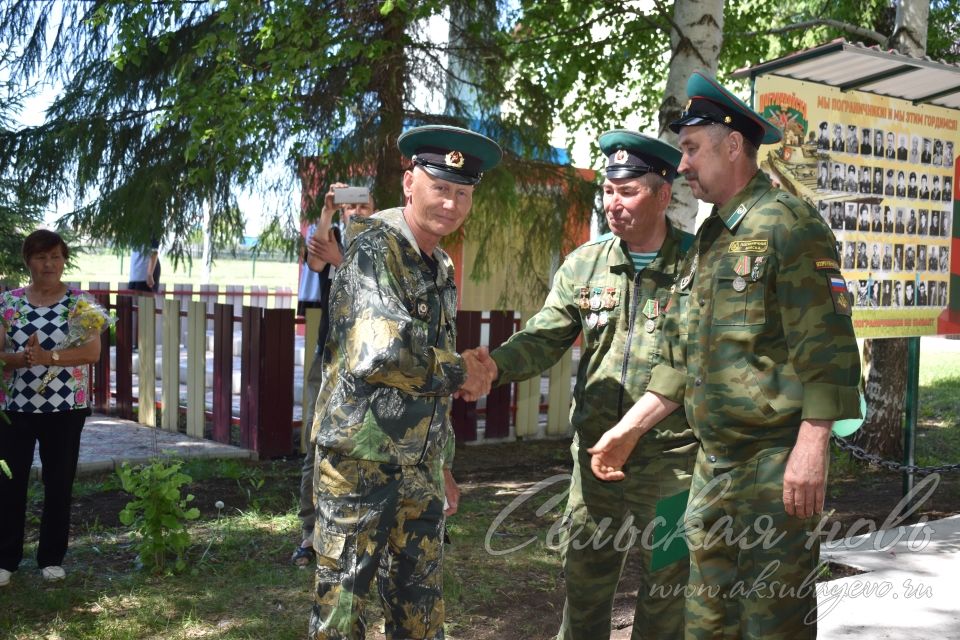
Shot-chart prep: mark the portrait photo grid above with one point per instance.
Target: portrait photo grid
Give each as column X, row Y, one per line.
column 888, row 196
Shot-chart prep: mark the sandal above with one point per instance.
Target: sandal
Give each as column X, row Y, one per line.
column 303, row 556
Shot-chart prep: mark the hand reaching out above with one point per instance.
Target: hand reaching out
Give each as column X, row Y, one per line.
column 481, row 372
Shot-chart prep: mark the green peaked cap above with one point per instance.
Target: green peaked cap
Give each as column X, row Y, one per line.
column 450, row 153
column 631, row 154
column 709, row 102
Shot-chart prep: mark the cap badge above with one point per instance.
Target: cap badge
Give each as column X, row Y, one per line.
column 621, row 156
column 454, row 159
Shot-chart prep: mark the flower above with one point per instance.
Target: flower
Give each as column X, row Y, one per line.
column 85, row 321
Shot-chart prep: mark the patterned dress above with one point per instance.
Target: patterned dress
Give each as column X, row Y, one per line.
column 69, row 389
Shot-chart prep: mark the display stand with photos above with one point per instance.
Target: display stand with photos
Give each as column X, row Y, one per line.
column 871, row 140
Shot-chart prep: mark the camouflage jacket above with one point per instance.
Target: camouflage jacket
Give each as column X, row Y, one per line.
column 760, row 336
column 597, row 293
column 390, row 363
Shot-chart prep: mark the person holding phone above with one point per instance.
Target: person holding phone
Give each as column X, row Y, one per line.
column 324, row 254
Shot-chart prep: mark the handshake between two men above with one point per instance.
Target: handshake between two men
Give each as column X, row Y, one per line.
column 481, row 373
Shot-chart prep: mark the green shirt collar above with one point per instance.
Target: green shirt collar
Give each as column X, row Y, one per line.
column 736, row 209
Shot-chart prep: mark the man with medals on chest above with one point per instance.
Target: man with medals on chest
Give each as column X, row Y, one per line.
column 769, row 361
column 612, row 291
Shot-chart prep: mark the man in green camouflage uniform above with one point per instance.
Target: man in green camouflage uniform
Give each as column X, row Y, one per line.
column 612, row 291
column 381, row 427
column 761, row 351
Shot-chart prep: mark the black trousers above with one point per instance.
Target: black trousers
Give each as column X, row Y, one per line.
column 59, row 437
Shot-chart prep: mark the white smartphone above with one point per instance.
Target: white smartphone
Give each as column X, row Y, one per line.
column 351, row 195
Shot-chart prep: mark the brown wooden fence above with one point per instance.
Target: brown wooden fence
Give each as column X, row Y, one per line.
column 261, row 416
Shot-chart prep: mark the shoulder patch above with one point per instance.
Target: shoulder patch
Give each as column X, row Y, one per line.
column 826, row 264
column 842, row 298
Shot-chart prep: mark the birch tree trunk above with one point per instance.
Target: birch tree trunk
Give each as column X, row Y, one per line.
column 695, row 41
column 884, row 360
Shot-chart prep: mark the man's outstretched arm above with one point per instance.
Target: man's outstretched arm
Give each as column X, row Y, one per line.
column 615, row 446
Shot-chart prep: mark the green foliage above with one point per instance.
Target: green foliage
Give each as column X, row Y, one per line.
column 169, row 109
column 158, row 512
column 593, row 64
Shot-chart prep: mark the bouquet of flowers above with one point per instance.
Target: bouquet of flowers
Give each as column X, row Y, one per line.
column 84, row 322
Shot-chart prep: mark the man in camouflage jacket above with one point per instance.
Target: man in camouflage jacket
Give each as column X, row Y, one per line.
column 384, row 444
column 611, row 291
column 759, row 347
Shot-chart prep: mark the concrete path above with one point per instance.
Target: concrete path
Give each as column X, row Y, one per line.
column 107, row 442
column 910, row 590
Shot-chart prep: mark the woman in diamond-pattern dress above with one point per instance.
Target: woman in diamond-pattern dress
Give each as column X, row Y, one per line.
column 34, row 321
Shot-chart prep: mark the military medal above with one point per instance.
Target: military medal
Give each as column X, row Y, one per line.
column 603, row 319
column 609, row 299
column 757, row 268
column 592, row 320
column 651, row 309
column 584, row 300
column 742, row 268
column 595, row 301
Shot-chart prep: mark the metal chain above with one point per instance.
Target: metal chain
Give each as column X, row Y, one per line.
column 861, row 454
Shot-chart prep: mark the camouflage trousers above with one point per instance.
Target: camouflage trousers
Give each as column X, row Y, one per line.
column 752, row 574
column 595, row 543
column 382, row 520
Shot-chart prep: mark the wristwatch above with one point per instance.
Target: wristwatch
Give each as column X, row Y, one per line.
column 55, row 356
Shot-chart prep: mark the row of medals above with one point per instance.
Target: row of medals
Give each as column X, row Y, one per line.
column 742, row 268
column 601, row 300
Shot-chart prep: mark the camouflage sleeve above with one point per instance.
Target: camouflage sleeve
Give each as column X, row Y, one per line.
column 546, row 336
column 816, row 322
column 384, row 344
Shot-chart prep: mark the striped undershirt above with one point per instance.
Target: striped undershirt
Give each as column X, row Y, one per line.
column 641, row 260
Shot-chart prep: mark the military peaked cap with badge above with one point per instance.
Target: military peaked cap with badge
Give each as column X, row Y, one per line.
column 450, row 153
column 631, row 155
column 710, row 103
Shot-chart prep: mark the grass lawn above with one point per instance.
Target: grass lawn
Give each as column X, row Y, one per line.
column 106, row 267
